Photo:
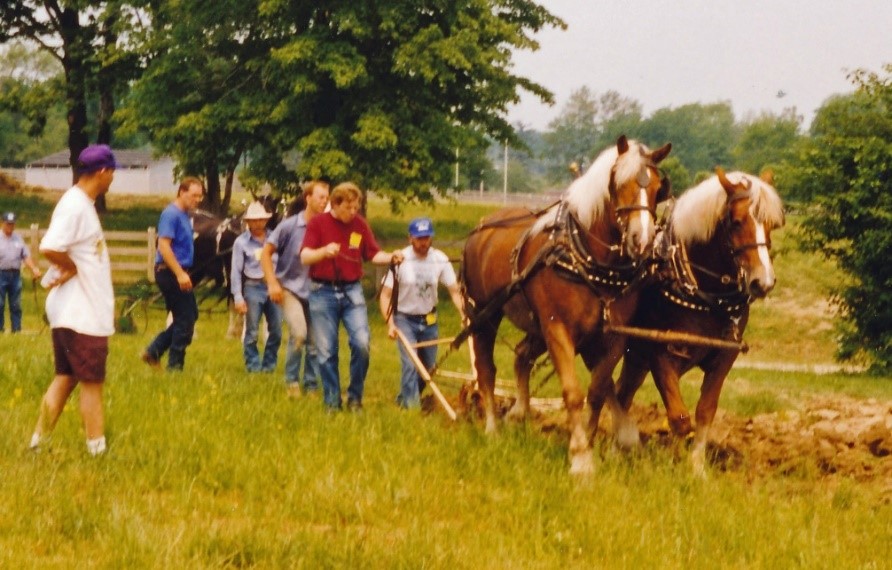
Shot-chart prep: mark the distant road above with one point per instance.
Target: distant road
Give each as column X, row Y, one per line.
column 512, row 199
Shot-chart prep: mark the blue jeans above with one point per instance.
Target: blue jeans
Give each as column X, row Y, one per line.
column 176, row 337
column 416, row 330
column 329, row 306
column 259, row 303
column 11, row 286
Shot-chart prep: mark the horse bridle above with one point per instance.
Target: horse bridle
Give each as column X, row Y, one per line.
column 697, row 299
column 623, row 213
column 737, row 250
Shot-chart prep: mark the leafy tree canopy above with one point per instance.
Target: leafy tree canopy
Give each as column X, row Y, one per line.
column 379, row 92
column 766, row 141
column 702, row 136
column 845, row 168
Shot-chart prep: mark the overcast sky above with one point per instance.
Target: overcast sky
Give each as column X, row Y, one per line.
column 668, row 53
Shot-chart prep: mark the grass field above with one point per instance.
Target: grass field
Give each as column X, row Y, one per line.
column 216, row 468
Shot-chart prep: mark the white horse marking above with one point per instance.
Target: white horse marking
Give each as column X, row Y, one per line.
column 764, row 257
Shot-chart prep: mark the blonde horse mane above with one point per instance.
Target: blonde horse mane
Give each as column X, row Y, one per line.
column 699, row 210
column 588, row 195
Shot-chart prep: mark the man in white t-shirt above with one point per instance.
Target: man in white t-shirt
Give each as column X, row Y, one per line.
column 414, row 311
column 80, row 306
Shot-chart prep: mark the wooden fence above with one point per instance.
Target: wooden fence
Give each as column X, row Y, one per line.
column 132, row 253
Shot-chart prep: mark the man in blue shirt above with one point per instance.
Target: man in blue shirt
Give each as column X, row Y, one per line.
column 249, row 292
column 13, row 252
column 172, row 263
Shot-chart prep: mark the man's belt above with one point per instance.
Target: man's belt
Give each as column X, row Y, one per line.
column 335, row 282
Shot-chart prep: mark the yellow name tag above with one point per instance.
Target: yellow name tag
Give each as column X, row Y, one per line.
column 430, row 319
column 257, row 253
column 355, row 240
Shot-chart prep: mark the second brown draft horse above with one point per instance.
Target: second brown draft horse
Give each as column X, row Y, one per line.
column 558, row 275
column 715, row 256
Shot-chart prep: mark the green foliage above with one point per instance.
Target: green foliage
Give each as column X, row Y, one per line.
column 702, row 136
column 382, row 94
column 846, row 169
column 84, row 38
column 587, row 125
column 32, row 119
column 678, row 175
column 767, row 141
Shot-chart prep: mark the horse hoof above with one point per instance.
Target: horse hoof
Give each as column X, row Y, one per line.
column 516, row 414
column 698, row 464
column 582, row 464
column 628, row 437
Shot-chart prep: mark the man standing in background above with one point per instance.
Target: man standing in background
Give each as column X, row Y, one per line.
column 250, row 295
column 288, row 282
column 80, row 306
column 13, row 252
column 172, row 263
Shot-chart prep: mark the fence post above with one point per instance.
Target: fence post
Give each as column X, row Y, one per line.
column 34, row 243
column 150, row 261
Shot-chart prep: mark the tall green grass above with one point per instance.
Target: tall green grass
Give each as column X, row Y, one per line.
column 213, row 467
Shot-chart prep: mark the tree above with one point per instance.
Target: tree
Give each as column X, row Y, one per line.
column 846, row 170
column 32, row 121
column 702, row 136
column 572, row 133
column 82, row 36
column 766, row 141
column 210, row 90
column 588, row 124
column 379, row 92
column 386, row 92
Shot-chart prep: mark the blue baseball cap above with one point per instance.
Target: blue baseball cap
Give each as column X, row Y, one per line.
column 421, row 227
column 9, row 217
column 96, row 157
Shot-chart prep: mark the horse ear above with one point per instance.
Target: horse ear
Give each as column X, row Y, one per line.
column 723, row 180
column 622, row 144
column 658, row 155
column 767, row 176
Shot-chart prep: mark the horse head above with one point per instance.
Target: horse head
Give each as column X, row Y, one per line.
column 618, row 195
column 636, row 187
column 753, row 210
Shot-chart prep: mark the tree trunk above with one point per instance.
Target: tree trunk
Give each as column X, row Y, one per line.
column 75, row 85
column 211, row 200
column 104, row 128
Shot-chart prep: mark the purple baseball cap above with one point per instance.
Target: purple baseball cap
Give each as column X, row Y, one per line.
column 96, row 157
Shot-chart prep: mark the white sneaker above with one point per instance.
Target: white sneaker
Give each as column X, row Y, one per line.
column 96, row 446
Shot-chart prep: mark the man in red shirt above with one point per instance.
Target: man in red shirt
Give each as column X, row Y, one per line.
column 334, row 247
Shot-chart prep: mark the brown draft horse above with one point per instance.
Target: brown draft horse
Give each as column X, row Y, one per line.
column 715, row 256
column 558, row 274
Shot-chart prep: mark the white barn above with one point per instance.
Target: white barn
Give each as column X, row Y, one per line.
column 139, row 172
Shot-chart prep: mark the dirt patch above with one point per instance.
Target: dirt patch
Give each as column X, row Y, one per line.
column 823, row 437
column 827, row 435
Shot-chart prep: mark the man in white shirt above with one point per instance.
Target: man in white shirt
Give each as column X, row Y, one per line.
column 80, row 306
column 415, row 310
